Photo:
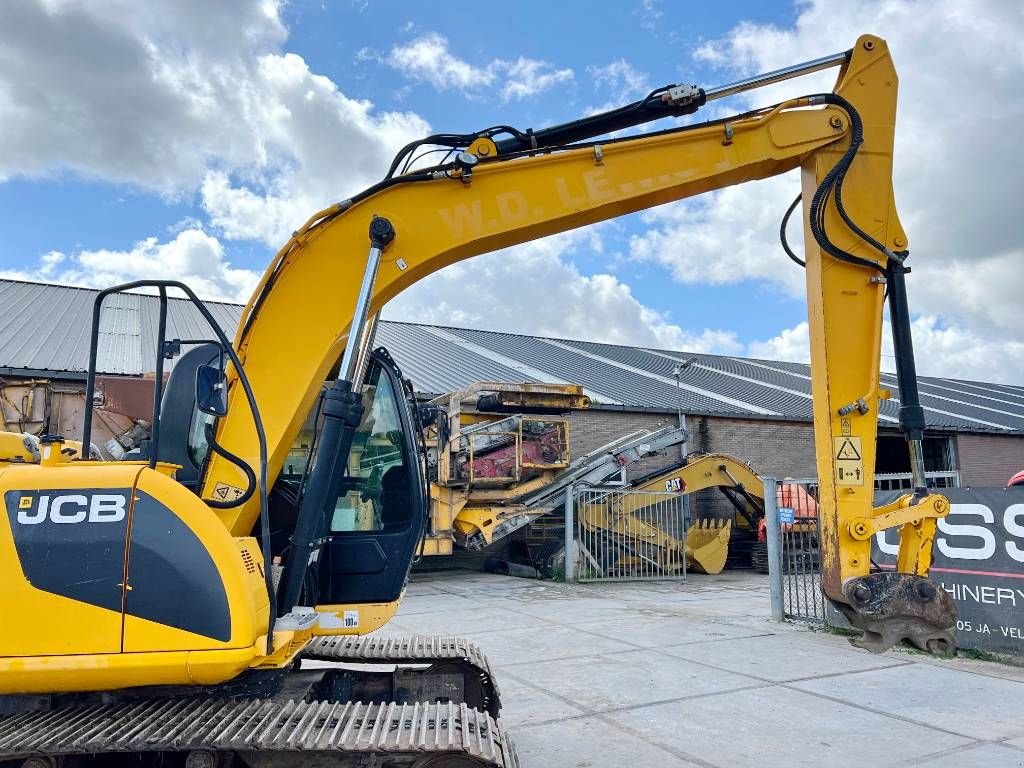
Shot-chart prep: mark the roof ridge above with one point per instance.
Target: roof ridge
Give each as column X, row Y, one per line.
column 88, row 289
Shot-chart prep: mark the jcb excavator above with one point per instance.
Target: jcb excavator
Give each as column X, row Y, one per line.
column 143, row 614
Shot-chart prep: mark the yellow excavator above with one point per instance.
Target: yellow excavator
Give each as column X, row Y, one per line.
column 193, row 607
column 624, row 521
column 627, row 522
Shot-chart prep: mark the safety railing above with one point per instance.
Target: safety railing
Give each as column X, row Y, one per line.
column 904, row 481
column 626, row 535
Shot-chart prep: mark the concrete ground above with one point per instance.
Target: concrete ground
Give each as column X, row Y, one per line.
column 694, row 674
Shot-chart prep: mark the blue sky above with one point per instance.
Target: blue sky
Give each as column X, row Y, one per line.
column 176, row 137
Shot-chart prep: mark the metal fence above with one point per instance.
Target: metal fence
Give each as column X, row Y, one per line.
column 625, row 535
column 904, row 481
column 794, row 551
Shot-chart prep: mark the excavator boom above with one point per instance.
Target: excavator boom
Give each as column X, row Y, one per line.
column 491, row 198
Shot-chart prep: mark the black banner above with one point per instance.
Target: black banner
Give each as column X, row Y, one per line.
column 979, row 559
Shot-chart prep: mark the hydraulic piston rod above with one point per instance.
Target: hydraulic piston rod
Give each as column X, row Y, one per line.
column 769, row 78
column 353, row 361
column 675, row 101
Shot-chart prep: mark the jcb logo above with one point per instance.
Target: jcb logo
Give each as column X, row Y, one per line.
column 73, row 508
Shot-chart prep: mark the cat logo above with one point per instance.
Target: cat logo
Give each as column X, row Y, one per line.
column 73, row 508
column 675, row 485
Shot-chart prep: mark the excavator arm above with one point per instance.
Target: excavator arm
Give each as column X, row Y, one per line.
column 312, row 302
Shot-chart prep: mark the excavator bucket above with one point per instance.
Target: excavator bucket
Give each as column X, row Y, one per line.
column 707, row 545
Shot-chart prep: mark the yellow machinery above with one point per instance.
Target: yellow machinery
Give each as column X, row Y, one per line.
column 498, row 459
column 490, row 445
column 626, row 518
column 152, row 615
column 706, row 544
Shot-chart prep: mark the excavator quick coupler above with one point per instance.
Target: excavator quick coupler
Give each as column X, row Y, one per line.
column 895, row 607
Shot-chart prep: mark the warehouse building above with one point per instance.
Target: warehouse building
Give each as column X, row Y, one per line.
column 759, row 410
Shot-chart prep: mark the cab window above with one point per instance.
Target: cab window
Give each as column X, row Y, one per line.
column 376, row 494
column 198, row 446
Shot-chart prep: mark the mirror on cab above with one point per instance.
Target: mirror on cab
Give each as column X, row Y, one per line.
column 211, row 390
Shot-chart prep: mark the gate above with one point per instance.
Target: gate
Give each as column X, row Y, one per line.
column 628, row 535
column 800, row 551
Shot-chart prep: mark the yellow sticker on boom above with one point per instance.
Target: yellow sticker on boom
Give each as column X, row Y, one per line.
column 849, row 460
column 225, row 492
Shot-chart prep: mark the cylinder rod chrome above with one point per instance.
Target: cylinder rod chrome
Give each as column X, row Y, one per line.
column 768, row 78
column 357, row 331
column 367, row 347
column 353, row 360
column 917, row 471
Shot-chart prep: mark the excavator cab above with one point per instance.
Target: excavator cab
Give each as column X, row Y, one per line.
column 374, row 520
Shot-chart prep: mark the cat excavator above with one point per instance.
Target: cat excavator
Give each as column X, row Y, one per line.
column 194, row 607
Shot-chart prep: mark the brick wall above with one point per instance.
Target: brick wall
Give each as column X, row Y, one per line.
column 988, row 460
column 589, row 430
column 779, row 448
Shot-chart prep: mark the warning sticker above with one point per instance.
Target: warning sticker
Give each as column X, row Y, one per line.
column 849, row 460
column 225, row 492
column 351, row 619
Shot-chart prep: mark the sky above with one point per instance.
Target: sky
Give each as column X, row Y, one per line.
column 186, row 138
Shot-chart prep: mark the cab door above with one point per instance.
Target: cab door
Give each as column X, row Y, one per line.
column 378, row 516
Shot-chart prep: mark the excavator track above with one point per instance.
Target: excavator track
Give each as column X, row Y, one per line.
column 262, row 733
column 437, row 651
column 445, row 715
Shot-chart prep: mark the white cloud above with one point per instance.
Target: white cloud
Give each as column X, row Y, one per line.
column 791, row 344
column 144, row 93
column 180, row 96
column 650, row 14
column 956, row 176
column 324, row 147
column 528, row 77
column 619, row 82
column 193, row 257
column 536, row 289
column 943, row 350
column 727, row 237
column 428, row 59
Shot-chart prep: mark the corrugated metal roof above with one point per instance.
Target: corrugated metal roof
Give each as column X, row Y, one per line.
column 45, row 328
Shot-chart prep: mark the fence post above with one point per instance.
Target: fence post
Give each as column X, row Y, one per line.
column 570, row 536
column 774, row 536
